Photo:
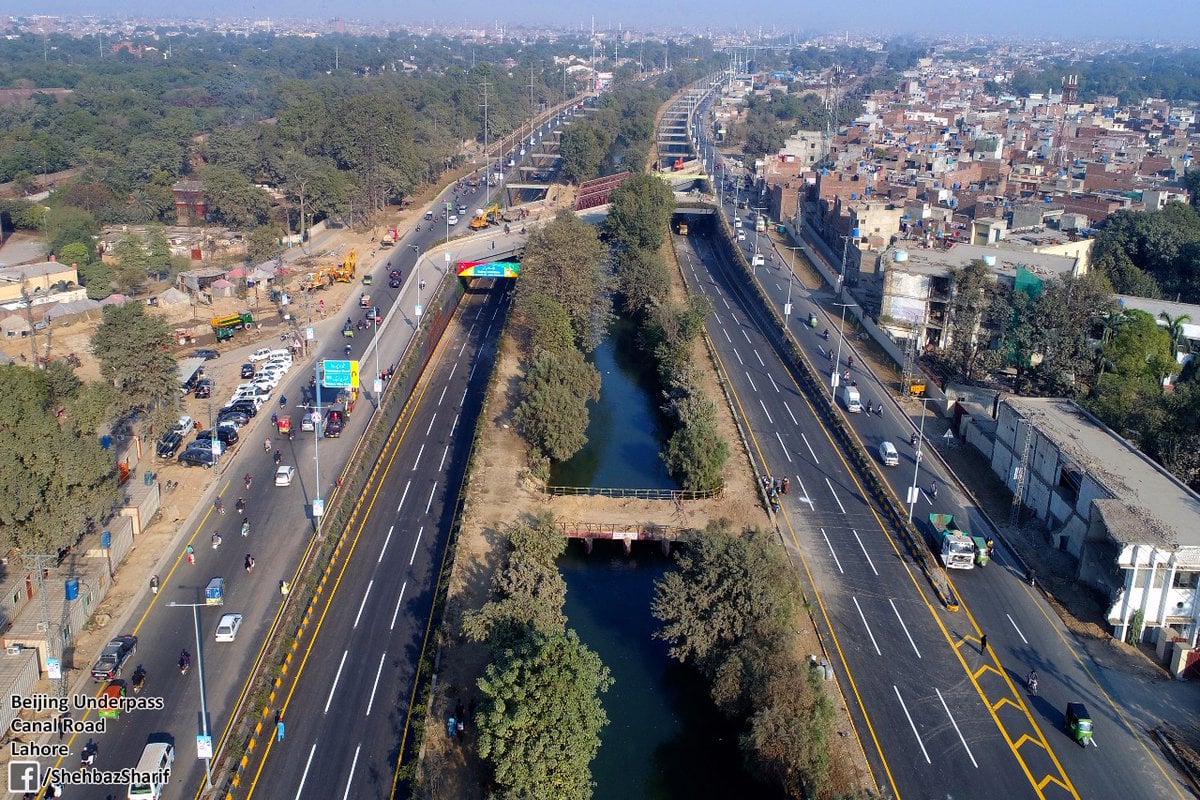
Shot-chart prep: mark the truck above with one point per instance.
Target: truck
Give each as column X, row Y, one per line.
column 850, row 398
column 955, row 546
column 224, row 327
column 113, row 657
column 760, row 223
column 389, row 238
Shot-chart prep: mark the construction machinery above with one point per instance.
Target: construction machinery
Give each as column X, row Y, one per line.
column 389, row 239
column 344, row 272
column 224, row 327
column 486, row 216
column 682, row 227
column 955, row 546
column 316, row 280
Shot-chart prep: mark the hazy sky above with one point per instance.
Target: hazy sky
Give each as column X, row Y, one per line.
column 1176, row 20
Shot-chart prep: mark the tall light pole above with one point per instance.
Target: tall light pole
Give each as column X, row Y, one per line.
column 912, row 490
column 203, row 699
column 787, row 306
column 417, row 250
column 837, row 361
column 318, row 504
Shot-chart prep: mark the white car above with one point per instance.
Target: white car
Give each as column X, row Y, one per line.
column 284, row 475
column 266, row 382
column 184, row 426
column 741, row 236
column 261, row 354
column 280, row 353
column 270, row 377
column 227, row 628
column 452, row 219
column 281, row 365
column 249, row 398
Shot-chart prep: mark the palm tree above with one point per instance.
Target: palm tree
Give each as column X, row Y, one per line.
column 1175, row 329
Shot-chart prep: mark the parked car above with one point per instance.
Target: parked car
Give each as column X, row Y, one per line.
column 279, row 361
column 198, row 456
column 225, row 435
column 113, row 657
column 204, row 388
column 261, row 354
column 169, row 444
column 280, row 352
column 233, row 418
column 242, row 407
column 206, row 353
column 227, row 627
column 247, row 370
column 184, row 425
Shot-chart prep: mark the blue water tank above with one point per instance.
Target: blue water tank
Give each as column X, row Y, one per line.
column 72, row 589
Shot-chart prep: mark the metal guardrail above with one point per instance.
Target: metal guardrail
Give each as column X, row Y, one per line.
column 638, row 494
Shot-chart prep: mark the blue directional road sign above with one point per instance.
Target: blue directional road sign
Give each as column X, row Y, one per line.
column 339, row 374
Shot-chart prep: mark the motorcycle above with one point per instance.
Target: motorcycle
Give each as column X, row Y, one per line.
column 825, row 335
column 240, row 505
column 349, row 348
column 245, row 527
column 216, row 541
column 185, row 663
column 278, row 458
column 1032, row 684
column 139, row 680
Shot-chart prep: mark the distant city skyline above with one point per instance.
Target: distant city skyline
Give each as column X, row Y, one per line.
column 1064, row 19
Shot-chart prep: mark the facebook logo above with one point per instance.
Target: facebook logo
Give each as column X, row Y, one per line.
column 24, row 776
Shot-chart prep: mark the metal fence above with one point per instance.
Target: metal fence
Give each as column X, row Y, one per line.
column 639, row 494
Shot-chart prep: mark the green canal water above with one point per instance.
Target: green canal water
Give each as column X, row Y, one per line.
column 625, row 427
column 664, row 740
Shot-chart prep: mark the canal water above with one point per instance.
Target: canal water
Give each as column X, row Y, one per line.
column 625, row 427
column 665, row 740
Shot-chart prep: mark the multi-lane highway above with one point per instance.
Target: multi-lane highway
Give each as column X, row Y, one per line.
column 938, row 714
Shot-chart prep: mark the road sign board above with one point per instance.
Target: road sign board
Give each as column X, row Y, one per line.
column 339, row 374
column 203, row 746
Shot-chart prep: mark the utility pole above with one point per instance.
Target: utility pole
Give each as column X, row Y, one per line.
column 487, row 157
column 40, row 564
column 1014, row 511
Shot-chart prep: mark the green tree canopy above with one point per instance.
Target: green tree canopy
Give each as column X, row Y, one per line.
column 639, row 212
column 552, row 412
column 566, row 262
column 134, row 351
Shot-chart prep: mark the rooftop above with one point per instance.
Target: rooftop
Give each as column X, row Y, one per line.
column 939, row 261
column 1136, row 482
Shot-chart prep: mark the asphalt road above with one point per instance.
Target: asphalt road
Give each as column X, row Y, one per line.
column 937, row 715
column 347, row 702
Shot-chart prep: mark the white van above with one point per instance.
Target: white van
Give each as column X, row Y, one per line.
column 888, row 454
column 152, row 772
column 850, row 399
column 758, row 260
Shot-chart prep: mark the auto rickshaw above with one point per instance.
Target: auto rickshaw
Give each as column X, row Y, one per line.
column 214, row 593
column 983, row 553
column 812, row 320
column 348, row 331
column 112, row 693
column 364, row 301
column 284, row 423
column 1079, row 723
column 368, row 280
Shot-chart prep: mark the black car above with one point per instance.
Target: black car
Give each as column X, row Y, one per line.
column 241, row 406
column 235, row 417
column 168, row 444
column 394, row 283
column 202, row 456
column 204, row 389
column 113, row 657
column 227, row 436
column 335, row 423
column 206, row 353
column 247, row 370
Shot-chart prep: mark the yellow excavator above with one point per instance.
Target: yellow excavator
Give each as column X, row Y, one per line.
column 487, row 216
column 316, row 280
column 345, row 271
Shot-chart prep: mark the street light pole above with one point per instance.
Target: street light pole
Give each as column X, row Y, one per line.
column 318, row 504
column 200, row 676
column 837, row 361
column 912, row 491
column 787, row 306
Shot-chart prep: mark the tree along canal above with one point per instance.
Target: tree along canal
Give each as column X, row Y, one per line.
column 625, row 431
column 665, row 740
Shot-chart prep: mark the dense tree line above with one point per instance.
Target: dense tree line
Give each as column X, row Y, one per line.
column 639, row 215
column 540, row 721
column 771, row 119
column 729, row 609
column 1151, row 253
column 1131, row 75
column 615, row 136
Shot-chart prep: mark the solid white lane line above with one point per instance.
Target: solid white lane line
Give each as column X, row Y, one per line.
column 413, row 557
column 832, row 552
column 417, row 460
column 363, row 604
column 752, row 386
column 739, row 357
column 1017, row 628
column 386, row 539
column 375, row 685
column 760, row 361
column 764, row 408
column 773, row 383
column 896, row 611
column 863, row 547
column 912, row 725
column 350, row 779
column 970, row 755
column 404, row 494
column 432, row 492
column 336, row 678
column 790, row 414
column 307, row 764
column 811, row 452
column 804, row 498
column 835, row 497
column 784, row 446
column 442, row 463
column 863, row 617
column 431, row 421
column 396, row 612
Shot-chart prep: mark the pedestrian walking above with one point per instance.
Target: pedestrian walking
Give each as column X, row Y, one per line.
column 153, row 584
column 983, row 644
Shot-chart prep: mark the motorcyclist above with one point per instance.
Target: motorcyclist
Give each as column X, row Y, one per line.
column 240, row 505
column 248, row 480
column 185, row 660
column 245, row 526
column 249, row 563
column 282, row 400
column 278, row 458
column 139, row 678
column 349, row 348
column 912, row 440
column 825, row 335
column 1031, row 680
column 267, row 444
column 216, row 540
